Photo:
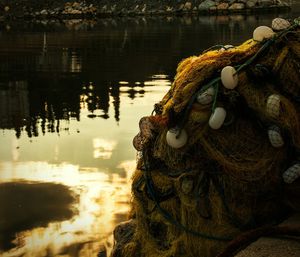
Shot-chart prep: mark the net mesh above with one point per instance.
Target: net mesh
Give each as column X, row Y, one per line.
column 223, row 181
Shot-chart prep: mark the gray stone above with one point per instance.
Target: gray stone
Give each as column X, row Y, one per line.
column 206, row 5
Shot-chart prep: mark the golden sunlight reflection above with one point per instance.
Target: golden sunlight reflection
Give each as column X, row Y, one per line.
column 103, row 148
column 158, row 82
column 102, row 199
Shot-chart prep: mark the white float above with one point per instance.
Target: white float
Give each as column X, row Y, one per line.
column 273, row 106
column 206, row 97
column 262, row 32
column 226, row 47
column 217, row 118
column 174, row 140
column 280, row 24
column 291, row 174
column 275, row 137
column 229, row 77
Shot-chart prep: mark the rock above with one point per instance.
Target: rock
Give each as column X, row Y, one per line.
column 282, row 3
column 181, row 7
column 169, row 9
column 68, row 4
column 104, row 8
column 94, row 10
column 237, row 6
column 265, row 3
column 76, row 5
column 187, row 6
column 44, row 12
column 113, row 8
column 206, row 5
column 222, row 6
column 251, row 3
column 75, row 12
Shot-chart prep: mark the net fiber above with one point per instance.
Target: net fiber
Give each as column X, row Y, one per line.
column 190, row 201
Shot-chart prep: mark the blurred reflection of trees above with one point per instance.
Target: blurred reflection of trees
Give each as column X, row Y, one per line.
column 50, row 72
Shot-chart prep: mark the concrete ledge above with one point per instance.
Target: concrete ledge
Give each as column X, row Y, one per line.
column 275, row 247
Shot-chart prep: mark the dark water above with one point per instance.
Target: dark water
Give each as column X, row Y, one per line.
column 71, row 95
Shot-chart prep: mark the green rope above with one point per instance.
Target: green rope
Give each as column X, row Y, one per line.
column 214, row 82
column 216, row 87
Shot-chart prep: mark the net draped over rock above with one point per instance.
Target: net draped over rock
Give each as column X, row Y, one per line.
column 191, row 200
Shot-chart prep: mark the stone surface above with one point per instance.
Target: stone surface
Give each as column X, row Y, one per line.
column 206, row 5
column 47, row 8
column 275, row 247
column 265, row 3
column 222, row 6
column 237, row 6
column 251, row 3
column 187, row 6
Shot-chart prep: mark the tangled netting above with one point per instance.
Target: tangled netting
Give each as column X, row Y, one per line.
column 191, row 200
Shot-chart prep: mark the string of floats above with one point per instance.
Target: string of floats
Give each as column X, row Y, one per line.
column 177, row 137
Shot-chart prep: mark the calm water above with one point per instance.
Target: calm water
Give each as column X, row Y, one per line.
column 71, row 96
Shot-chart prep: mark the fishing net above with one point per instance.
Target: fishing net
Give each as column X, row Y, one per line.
column 192, row 199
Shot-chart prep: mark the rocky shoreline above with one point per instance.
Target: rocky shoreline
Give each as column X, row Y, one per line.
column 30, row 9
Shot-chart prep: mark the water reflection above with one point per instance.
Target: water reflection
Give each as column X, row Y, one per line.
column 14, row 105
column 35, row 209
column 93, row 164
column 31, row 205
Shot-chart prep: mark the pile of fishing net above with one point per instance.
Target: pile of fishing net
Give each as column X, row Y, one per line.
column 220, row 154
